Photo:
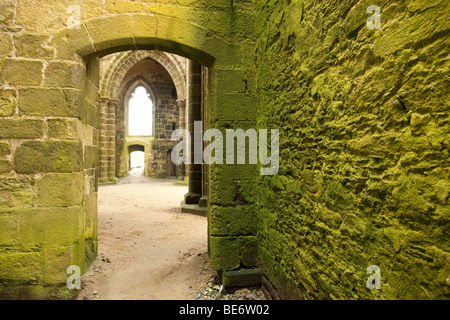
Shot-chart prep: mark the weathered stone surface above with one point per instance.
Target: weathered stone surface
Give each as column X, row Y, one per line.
column 361, row 122
column 33, row 46
column 64, row 74
column 21, row 128
column 241, row 278
column 6, row 44
column 90, row 156
column 50, row 102
column 15, row 192
column 56, row 262
column 64, row 128
column 7, row 8
column 21, row 72
column 53, row 13
column 233, row 221
column 123, row 6
column 48, row 156
column 9, row 229
column 224, row 253
column 5, row 148
column 5, row 166
column 60, row 190
column 363, row 119
column 8, row 100
column 70, row 43
column 20, row 267
column 108, row 33
column 50, row 226
column 232, row 252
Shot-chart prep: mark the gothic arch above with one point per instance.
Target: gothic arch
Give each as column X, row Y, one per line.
column 122, row 63
column 123, row 32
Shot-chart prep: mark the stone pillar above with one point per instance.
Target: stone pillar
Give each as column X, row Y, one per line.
column 107, row 141
column 181, row 104
column 111, row 140
column 103, row 158
column 194, row 113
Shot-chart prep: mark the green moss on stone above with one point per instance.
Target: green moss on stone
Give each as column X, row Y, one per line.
column 48, row 156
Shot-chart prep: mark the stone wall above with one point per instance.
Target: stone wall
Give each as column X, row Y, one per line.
column 49, row 117
column 364, row 140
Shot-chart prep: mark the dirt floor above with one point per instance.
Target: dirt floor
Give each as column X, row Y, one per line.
column 147, row 248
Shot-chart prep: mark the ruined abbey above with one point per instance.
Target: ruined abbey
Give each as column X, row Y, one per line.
column 357, row 91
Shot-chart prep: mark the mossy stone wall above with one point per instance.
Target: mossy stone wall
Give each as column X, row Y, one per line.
column 364, row 147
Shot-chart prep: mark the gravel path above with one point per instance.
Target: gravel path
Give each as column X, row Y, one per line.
column 148, row 249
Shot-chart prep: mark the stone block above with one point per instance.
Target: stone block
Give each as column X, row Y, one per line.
column 48, row 156
column 90, row 156
column 21, row 72
column 249, row 253
column 5, row 166
column 7, row 9
column 63, row 128
column 50, row 102
column 33, row 46
column 123, row 6
column 90, row 114
column 111, row 32
column 21, row 128
column 64, row 74
column 70, row 42
column 9, row 229
column 233, row 221
column 232, row 81
column 234, row 106
column 144, row 28
column 227, row 172
column 8, row 100
column 60, row 190
column 5, row 148
column 6, row 45
column 232, row 192
column 16, row 192
column 241, row 278
column 91, row 210
column 224, row 253
column 51, row 226
column 20, row 267
column 56, row 262
column 93, row 71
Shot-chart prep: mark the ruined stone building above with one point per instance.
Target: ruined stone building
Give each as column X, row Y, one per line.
column 362, row 112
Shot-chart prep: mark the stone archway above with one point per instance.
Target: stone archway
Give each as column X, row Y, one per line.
column 121, row 63
column 57, row 232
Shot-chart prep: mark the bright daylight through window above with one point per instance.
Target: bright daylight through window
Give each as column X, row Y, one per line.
column 140, row 113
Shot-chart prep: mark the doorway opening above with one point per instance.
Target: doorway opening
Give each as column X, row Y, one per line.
column 137, row 159
column 146, row 244
column 140, row 113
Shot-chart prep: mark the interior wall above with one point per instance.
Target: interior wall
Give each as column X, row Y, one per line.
column 363, row 176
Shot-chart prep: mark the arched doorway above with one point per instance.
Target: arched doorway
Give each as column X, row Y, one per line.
column 136, row 156
column 69, row 101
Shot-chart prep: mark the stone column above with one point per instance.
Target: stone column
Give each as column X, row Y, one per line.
column 111, row 140
column 181, row 104
column 107, row 141
column 103, row 158
column 194, row 113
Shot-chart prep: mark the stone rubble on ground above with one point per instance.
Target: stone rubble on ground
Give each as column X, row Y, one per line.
column 212, row 291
